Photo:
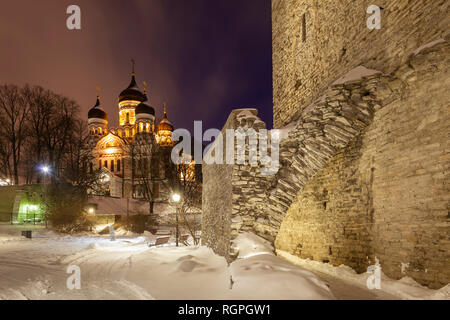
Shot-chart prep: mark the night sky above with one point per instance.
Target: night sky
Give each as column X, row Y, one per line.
column 204, row 57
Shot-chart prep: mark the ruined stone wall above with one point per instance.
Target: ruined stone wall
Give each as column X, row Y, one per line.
column 386, row 194
column 331, row 219
column 316, row 41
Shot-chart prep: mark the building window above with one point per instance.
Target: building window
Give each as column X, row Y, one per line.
column 141, row 127
column 127, row 133
column 100, row 130
column 118, row 165
column 304, row 27
column 147, row 127
column 120, row 133
column 106, row 164
column 133, row 132
column 112, row 165
column 99, row 164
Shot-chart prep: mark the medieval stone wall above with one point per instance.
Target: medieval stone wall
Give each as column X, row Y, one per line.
column 315, row 41
column 364, row 169
column 386, row 194
column 362, row 175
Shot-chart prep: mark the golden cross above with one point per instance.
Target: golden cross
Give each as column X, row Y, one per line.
column 133, row 63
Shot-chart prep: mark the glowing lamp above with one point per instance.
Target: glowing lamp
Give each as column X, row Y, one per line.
column 176, row 197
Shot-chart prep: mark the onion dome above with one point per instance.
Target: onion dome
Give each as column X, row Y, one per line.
column 144, row 108
column 132, row 92
column 165, row 124
column 97, row 112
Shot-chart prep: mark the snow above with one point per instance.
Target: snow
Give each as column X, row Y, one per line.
column 405, row 288
column 128, row 269
column 250, row 245
column 284, row 131
column 427, row 45
column 355, row 74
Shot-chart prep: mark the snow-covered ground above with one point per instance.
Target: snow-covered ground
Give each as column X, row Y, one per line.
column 343, row 276
column 128, row 269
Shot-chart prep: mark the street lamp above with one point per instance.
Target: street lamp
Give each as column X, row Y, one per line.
column 176, row 198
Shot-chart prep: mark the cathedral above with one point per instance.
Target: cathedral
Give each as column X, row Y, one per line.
column 132, row 156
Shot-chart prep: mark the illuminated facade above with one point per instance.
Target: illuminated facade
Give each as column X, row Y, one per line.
column 135, row 150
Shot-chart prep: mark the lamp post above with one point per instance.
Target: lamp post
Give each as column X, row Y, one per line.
column 176, row 198
column 45, row 171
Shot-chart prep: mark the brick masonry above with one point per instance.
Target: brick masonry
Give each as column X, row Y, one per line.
column 364, row 172
column 338, row 40
column 358, row 168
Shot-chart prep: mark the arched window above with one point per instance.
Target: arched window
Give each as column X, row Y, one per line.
column 118, row 165
column 93, row 131
column 120, row 133
column 100, row 131
column 147, row 127
column 141, row 127
column 127, row 133
column 133, row 132
column 112, row 165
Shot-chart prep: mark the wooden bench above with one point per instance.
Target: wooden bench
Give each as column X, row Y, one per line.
column 26, row 234
column 163, row 232
column 160, row 241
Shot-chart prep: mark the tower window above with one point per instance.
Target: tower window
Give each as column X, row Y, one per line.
column 112, row 165
column 118, row 165
column 147, row 127
column 304, row 27
column 141, row 127
column 106, row 163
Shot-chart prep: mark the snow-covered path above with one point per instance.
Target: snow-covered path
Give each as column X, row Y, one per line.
column 129, row 269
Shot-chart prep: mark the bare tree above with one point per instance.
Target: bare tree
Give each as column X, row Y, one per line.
column 77, row 168
column 58, row 132
column 41, row 104
column 184, row 178
column 144, row 155
column 14, row 113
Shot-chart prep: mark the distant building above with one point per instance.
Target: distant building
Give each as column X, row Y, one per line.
column 134, row 153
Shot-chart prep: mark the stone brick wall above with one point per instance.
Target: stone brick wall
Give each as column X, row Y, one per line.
column 331, row 220
column 337, row 40
column 362, row 175
column 364, row 171
column 386, row 194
